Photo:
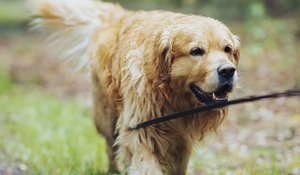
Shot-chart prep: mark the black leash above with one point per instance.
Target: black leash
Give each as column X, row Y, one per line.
column 289, row 93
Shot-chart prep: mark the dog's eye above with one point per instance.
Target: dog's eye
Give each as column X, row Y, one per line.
column 227, row 49
column 197, row 51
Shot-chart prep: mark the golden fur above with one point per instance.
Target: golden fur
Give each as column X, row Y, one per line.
column 141, row 69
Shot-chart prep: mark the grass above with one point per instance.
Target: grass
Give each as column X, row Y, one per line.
column 47, row 134
column 259, row 161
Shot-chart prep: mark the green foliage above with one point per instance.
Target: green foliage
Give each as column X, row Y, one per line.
column 266, row 36
column 224, row 10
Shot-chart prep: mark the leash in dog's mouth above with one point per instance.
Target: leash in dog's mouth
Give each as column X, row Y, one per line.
column 213, row 101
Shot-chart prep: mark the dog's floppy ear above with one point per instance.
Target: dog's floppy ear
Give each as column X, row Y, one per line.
column 164, row 59
column 236, row 51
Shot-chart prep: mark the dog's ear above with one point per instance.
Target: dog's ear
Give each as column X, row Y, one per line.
column 236, row 51
column 164, row 59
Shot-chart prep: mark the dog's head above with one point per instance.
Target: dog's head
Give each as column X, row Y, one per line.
column 203, row 53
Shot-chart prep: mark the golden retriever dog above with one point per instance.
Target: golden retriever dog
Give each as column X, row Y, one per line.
column 142, row 67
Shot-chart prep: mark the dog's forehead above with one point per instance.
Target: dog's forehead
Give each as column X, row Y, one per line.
column 211, row 29
column 204, row 35
column 198, row 25
column 197, row 30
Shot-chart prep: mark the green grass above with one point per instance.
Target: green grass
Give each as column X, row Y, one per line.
column 47, row 134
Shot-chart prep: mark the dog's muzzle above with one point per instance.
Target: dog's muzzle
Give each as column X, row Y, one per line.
column 226, row 74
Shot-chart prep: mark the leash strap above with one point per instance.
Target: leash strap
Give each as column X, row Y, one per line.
column 187, row 113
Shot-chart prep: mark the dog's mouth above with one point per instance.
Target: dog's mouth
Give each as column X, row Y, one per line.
column 219, row 96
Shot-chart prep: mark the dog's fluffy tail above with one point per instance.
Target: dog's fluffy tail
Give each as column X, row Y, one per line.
column 71, row 24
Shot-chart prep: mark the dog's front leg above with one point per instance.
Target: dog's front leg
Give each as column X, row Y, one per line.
column 138, row 154
column 144, row 163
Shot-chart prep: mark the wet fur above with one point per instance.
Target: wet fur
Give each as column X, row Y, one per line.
column 141, row 69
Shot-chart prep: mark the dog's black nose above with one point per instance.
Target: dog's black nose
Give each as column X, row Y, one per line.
column 226, row 71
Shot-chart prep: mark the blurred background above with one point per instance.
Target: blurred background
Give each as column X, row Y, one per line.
column 45, row 106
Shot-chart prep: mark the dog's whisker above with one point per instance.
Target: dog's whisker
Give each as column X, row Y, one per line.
column 242, row 73
column 242, row 88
